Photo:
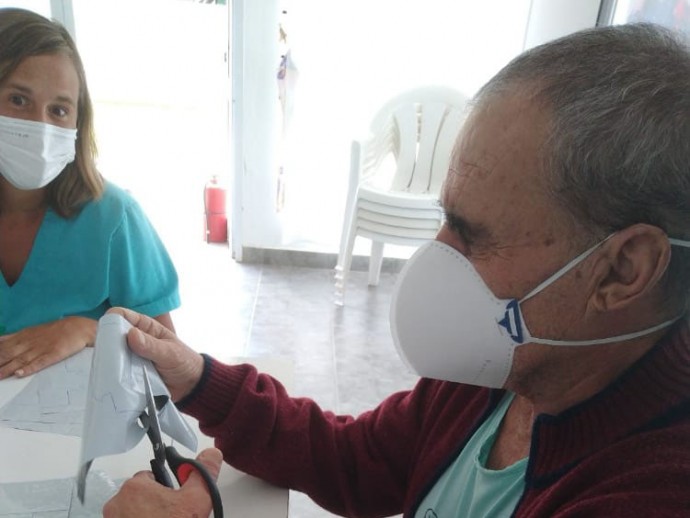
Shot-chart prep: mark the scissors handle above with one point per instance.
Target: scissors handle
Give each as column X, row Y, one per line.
column 160, row 473
column 182, row 467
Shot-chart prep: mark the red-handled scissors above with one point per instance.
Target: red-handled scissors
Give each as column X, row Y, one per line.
column 181, row 466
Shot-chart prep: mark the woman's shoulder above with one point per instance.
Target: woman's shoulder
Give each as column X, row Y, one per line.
column 115, row 195
column 114, row 201
column 111, row 206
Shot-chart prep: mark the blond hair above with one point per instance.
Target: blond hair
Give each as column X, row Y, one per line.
column 24, row 34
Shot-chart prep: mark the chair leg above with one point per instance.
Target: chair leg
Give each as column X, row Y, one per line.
column 347, row 238
column 342, row 268
column 375, row 262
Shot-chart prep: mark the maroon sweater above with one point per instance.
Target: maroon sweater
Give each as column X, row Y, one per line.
column 625, row 452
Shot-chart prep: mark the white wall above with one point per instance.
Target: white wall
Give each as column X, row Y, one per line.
column 42, row 7
column 551, row 19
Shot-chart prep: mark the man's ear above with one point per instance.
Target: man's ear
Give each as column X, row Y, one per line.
column 632, row 262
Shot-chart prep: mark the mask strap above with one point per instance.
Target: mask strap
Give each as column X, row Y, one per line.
column 574, row 262
column 612, row 339
column 609, row 340
column 679, row 242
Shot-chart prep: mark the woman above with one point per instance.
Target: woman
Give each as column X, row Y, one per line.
column 71, row 244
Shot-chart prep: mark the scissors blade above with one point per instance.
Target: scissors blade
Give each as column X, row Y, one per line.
column 153, row 425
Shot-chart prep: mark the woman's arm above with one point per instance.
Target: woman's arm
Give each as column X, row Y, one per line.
column 37, row 347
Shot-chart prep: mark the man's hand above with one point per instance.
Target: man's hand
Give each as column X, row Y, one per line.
column 141, row 495
column 34, row 348
column 179, row 366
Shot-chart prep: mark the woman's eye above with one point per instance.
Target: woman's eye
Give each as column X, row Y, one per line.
column 18, row 100
column 60, row 111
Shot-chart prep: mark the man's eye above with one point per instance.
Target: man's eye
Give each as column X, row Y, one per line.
column 465, row 236
column 456, row 227
column 460, row 231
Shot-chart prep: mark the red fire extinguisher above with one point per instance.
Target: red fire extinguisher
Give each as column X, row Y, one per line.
column 216, row 220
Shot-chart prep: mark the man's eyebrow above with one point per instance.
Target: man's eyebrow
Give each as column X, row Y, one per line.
column 464, row 227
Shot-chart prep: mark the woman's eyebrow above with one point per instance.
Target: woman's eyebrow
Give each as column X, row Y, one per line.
column 17, row 86
column 66, row 99
column 26, row 90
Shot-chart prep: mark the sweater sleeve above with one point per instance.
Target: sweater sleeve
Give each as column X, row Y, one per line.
column 350, row 466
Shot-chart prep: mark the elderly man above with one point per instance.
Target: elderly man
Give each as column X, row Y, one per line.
column 545, row 320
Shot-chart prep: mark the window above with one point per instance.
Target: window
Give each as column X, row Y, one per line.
column 674, row 14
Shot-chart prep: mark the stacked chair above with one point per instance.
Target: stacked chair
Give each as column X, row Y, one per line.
column 414, row 134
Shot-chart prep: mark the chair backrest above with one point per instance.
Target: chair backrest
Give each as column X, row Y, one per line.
column 422, row 125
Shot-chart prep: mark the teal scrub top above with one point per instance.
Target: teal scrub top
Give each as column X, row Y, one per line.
column 468, row 489
column 107, row 255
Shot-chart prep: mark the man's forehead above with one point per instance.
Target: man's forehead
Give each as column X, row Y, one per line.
column 495, row 172
column 459, row 187
column 472, row 168
column 496, row 129
column 502, row 135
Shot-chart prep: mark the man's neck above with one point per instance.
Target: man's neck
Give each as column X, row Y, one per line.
column 514, row 436
column 566, row 379
column 554, row 387
column 579, row 373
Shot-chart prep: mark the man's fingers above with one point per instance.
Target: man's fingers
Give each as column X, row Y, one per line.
column 130, row 316
column 180, row 366
column 146, row 334
column 147, row 324
column 212, row 459
column 144, row 475
column 148, row 347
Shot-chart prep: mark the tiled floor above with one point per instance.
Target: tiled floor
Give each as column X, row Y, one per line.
column 343, row 357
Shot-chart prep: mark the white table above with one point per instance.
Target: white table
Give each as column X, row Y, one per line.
column 30, row 456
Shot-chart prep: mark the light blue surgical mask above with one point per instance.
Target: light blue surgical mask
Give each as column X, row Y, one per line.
column 32, row 153
column 447, row 324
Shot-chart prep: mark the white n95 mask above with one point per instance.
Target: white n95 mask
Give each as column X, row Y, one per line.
column 33, row 154
column 448, row 325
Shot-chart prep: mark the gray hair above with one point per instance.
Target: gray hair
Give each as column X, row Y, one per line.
column 619, row 146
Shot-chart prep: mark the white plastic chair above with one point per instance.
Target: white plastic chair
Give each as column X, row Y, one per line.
column 399, row 205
